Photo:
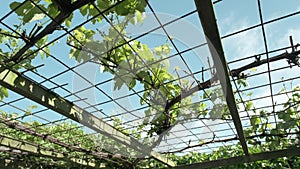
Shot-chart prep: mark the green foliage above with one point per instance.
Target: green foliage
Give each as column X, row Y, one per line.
column 129, row 7
column 66, row 132
column 227, row 152
column 28, row 12
column 12, row 44
column 136, row 65
column 3, row 92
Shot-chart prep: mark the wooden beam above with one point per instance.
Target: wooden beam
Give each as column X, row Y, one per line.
column 295, row 151
column 210, row 28
column 30, row 89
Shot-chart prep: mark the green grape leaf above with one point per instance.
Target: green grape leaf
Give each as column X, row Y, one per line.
column 255, row 121
column 23, row 9
column 132, row 84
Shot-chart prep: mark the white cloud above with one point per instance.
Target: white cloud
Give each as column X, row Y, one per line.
column 243, row 44
column 284, row 40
